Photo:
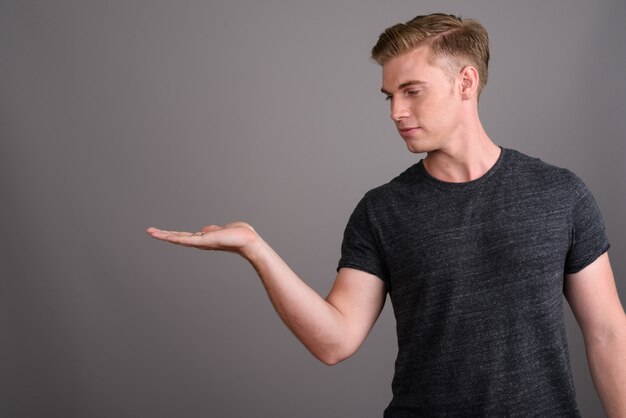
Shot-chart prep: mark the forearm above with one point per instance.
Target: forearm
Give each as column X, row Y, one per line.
column 594, row 300
column 332, row 328
column 313, row 320
column 607, row 362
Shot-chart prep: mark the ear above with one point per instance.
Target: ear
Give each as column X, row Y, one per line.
column 469, row 82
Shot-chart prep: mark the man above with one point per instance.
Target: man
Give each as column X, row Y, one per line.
column 475, row 245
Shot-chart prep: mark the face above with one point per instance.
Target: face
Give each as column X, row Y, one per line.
column 425, row 103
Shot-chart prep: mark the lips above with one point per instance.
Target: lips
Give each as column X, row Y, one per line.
column 408, row 131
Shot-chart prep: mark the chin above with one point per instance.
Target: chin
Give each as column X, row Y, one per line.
column 418, row 148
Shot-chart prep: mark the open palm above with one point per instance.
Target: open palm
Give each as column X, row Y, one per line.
column 231, row 237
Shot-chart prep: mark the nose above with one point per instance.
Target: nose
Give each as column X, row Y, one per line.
column 399, row 110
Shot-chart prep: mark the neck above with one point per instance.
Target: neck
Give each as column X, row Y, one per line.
column 463, row 159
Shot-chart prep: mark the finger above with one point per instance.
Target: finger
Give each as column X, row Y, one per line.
column 155, row 231
column 168, row 235
column 152, row 230
column 211, row 228
column 187, row 237
column 239, row 224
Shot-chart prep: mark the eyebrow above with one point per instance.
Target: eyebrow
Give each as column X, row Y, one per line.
column 403, row 85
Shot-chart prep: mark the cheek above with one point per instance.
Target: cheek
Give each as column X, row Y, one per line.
column 430, row 112
column 443, row 109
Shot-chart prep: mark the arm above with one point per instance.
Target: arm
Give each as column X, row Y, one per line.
column 332, row 329
column 592, row 295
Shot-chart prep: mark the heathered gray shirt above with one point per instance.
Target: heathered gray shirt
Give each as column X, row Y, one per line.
column 475, row 274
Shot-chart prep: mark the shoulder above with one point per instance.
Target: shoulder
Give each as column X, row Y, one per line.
column 535, row 173
column 520, row 163
column 408, row 180
column 381, row 200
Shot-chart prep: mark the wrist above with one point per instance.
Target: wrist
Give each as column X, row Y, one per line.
column 253, row 251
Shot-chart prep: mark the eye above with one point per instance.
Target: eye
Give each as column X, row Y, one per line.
column 388, row 98
column 412, row 93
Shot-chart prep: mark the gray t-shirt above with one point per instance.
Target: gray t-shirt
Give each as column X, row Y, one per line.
column 475, row 274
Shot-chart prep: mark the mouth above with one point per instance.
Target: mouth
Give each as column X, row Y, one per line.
column 408, row 131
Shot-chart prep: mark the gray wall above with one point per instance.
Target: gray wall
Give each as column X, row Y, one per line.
column 119, row 115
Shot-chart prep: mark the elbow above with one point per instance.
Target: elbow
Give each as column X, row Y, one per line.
column 332, row 357
column 611, row 335
column 334, row 350
column 330, row 360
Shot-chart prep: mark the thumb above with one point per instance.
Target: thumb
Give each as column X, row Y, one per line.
column 211, row 228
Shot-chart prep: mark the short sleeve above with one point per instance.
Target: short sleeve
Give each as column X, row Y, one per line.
column 588, row 238
column 360, row 248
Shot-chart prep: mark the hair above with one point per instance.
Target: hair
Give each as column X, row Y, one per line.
column 454, row 43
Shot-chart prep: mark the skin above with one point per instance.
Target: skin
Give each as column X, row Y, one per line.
column 593, row 298
column 438, row 116
column 332, row 329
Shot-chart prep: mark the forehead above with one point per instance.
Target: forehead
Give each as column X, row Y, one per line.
column 414, row 65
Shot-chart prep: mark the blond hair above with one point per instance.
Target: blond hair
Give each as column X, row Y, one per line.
column 454, row 43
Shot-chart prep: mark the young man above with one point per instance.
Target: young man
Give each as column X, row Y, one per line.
column 475, row 245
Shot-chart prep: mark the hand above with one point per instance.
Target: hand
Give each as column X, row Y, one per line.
column 234, row 237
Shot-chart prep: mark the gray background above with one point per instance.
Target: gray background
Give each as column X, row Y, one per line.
column 119, row 115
